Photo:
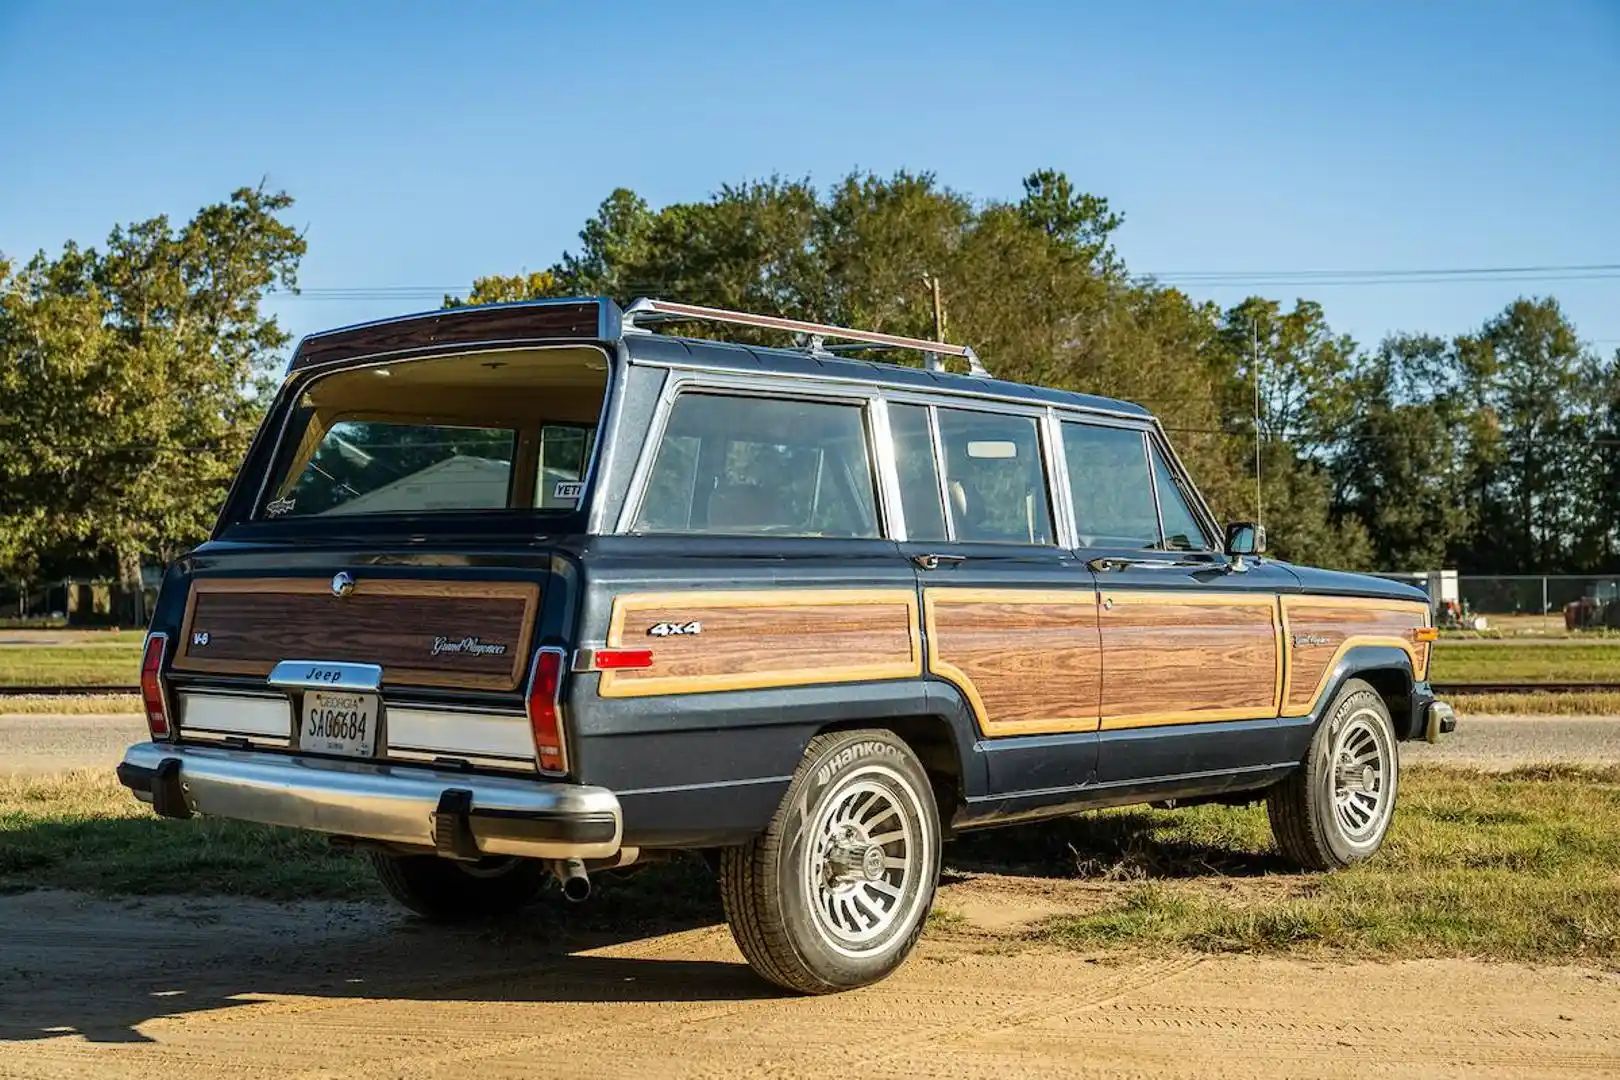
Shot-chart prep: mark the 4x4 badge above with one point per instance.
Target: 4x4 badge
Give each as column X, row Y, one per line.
column 675, row 629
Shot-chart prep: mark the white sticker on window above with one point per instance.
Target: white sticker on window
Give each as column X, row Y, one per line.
column 567, row 489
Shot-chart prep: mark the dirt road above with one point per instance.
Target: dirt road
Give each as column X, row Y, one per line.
column 174, row 986
column 34, row 744
column 168, row 987
column 44, row 744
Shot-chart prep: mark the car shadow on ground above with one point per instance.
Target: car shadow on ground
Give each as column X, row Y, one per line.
column 102, row 968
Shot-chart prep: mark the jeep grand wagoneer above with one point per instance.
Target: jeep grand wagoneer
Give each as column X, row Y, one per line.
column 510, row 591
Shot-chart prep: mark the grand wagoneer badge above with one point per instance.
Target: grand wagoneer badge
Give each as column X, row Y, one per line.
column 468, row 646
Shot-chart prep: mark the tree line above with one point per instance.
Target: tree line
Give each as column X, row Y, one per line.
column 133, row 375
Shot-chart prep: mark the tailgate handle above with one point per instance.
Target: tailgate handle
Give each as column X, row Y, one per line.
column 326, row 675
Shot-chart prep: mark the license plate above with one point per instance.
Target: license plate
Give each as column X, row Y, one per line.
column 339, row 723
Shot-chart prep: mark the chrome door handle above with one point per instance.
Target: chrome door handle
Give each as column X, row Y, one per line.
column 1105, row 563
column 933, row 562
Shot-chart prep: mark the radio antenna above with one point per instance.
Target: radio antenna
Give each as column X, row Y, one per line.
column 1259, row 484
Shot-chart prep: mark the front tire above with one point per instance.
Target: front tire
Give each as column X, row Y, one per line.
column 447, row 891
column 1337, row 807
column 834, row 894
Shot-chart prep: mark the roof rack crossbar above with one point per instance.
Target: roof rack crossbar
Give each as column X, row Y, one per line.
column 646, row 310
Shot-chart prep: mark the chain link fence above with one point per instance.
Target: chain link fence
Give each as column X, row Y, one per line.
column 1529, row 604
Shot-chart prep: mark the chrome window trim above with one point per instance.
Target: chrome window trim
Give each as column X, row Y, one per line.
column 607, row 436
column 728, row 386
column 1067, row 527
column 1153, row 485
column 937, row 441
column 933, row 394
column 891, row 506
column 307, row 377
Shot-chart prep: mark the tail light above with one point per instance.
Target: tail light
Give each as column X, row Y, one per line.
column 157, row 709
column 545, row 711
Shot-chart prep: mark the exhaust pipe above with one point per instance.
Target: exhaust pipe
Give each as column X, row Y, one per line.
column 570, row 873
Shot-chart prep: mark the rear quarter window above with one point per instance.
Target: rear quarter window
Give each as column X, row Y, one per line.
column 754, row 466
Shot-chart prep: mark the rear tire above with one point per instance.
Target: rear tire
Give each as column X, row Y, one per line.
column 447, row 891
column 834, row 894
column 1337, row 807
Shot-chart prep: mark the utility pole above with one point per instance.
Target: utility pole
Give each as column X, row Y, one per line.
column 932, row 281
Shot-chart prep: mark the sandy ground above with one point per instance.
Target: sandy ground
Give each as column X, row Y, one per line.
column 35, row 744
column 168, row 986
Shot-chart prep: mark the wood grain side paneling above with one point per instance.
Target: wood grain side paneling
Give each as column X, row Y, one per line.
column 1321, row 629
column 244, row 626
column 766, row 638
column 1176, row 658
column 1028, row 662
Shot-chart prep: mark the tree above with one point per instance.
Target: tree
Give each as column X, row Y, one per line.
column 1528, row 377
column 135, row 378
column 1401, row 469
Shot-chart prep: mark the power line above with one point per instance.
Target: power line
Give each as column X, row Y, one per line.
column 1223, row 278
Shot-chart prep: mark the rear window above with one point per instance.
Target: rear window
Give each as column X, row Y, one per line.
column 481, row 432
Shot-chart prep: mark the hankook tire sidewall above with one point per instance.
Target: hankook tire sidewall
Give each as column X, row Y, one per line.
column 1360, row 702
column 824, row 778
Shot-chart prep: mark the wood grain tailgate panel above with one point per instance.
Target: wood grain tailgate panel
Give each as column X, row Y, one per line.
column 245, row 626
column 1321, row 629
column 751, row 640
column 1184, row 658
column 1028, row 662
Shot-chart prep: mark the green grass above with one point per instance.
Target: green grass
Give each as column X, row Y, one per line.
column 115, row 663
column 1571, row 661
column 1523, row 865
column 85, row 831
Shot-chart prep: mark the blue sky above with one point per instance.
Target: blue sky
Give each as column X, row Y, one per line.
column 430, row 143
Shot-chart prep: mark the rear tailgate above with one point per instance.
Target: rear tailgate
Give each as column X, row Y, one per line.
column 452, row 650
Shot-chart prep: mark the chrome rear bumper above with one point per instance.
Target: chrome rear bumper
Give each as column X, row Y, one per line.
column 460, row 815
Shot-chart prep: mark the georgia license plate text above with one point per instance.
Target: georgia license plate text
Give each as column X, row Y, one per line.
column 339, row 723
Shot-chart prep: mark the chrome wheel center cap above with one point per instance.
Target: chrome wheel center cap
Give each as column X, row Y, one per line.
column 872, row 863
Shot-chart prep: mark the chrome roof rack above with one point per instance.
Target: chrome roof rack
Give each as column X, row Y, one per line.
column 646, row 311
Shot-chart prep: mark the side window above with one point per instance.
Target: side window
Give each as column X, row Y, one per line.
column 1182, row 531
column 1111, row 486
column 748, row 466
column 994, row 477
column 919, row 475
column 564, row 451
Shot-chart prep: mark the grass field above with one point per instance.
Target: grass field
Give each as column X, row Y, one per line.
column 1564, row 661
column 1521, row 865
column 115, row 663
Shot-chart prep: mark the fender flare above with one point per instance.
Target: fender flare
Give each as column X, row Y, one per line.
column 1388, row 668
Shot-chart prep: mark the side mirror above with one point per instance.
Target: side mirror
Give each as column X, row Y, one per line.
column 1245, row 538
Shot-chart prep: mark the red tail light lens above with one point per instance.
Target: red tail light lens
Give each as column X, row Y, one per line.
column 545, row 711
column 157, row 711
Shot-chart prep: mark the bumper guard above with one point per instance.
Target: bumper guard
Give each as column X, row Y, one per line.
column 459, row 815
